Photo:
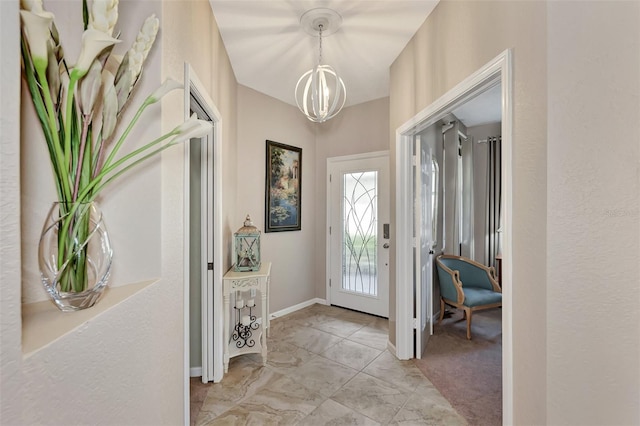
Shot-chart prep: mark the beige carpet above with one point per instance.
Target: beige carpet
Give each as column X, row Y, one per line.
column 468, row 372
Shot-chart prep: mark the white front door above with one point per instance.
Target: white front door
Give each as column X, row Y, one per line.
column 358, row 242
column 425, row 184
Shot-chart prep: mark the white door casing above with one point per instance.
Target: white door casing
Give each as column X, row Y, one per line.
column 497, row 71
column 211, row 284
column 357, row 252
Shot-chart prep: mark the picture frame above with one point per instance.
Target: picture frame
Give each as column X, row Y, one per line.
column 283, row 189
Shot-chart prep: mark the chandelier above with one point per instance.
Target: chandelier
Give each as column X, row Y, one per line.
column 320, row 92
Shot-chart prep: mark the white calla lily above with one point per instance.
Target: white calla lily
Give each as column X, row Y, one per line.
column 93, row 42
column 192, row 128
column 31, row 5
column 166, row 87
column 37, row 29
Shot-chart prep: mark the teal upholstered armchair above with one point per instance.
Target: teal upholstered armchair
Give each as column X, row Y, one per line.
column 467, row 285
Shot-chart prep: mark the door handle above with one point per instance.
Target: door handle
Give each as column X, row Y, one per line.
column 385, row 245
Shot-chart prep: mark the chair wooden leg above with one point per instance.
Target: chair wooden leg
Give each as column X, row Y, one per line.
column 441, row 310
column 468, row 312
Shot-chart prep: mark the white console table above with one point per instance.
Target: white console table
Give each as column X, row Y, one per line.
column 244, row 331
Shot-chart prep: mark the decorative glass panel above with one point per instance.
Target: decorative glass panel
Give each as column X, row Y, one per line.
column 360, row 237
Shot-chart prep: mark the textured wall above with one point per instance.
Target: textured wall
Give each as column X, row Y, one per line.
column 109, row 370
column 10, row 321
column 458, row 38
column 593, row 277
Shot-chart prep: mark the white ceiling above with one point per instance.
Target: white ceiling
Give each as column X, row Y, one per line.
column 269, row 50
column 483, row 109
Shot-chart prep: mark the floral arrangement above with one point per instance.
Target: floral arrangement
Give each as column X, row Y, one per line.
column 79, row 105
column 80, row 131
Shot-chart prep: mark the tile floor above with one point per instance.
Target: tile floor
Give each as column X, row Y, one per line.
column 326, row 365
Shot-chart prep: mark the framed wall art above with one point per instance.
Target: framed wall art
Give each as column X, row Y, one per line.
column 283, row 194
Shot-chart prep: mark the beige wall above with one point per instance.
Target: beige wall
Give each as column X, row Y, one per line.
column 292, row 253
column 356, row 130
column 190, row 34
column 593, row 276
column 10, row 260
column 457, row 39
column 298, row 257
column 574, row 205
column 118, row 364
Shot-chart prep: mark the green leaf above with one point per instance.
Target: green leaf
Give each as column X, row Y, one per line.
column 41, row 112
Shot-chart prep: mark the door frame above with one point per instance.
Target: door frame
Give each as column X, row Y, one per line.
column 212, row 331
column 332, row 160
column 497, row 71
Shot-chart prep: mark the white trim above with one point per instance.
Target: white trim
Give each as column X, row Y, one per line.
column 362, row 156
column 186, row 405
column 195, row 372
column 297, row 307
column 391, row 348
column 330, row 161
column 507, row 242
column 327, row 245
column 498, row 70
column 404, row 247
column 212, row 306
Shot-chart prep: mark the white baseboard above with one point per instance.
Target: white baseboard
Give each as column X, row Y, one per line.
column 297, row 307
column 195, row 372
column 392, row 348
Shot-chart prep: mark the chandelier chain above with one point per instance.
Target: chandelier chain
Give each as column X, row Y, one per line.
column 320, row 55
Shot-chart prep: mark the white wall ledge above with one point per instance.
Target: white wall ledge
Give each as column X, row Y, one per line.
column 43, row 323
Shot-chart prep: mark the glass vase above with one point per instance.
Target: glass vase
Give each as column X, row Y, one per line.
column 75, row 255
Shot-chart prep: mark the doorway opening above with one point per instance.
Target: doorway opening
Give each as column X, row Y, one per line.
column 411, row 324
column 203, row 347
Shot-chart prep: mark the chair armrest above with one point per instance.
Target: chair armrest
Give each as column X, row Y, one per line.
column 494, row 280
column 458, row 284
column 450, row 284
